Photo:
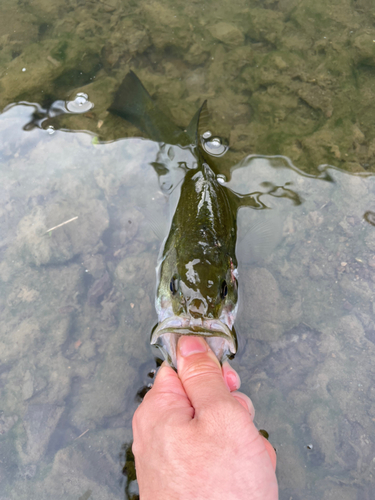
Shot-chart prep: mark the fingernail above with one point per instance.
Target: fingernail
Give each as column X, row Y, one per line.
column 189, row 345
column 232, row 381
column 231, row 377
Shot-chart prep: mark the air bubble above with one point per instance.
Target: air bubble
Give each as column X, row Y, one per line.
column 80, row 104
column 221, row 179
column 207, row 135
column 215, row 147
column 50, row 130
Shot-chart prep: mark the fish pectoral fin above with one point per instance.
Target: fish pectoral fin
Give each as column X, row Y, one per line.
column 251, row 200
column 133, row 103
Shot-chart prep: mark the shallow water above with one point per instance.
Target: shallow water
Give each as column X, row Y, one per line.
column 286, row 78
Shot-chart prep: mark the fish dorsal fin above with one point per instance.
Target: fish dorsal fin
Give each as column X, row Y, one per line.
column 204, row 118
column 133, row 103
column 201, row 126
column 193, row 130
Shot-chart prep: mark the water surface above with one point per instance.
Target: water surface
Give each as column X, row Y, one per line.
column 291, row 85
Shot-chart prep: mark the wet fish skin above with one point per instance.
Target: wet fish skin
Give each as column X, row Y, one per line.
column 197, row 290
column 200, row 252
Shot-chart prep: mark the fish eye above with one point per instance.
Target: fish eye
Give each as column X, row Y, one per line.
column 224, row 289
column 173, row 285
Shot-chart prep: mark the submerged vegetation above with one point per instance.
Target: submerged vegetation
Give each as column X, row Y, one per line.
column 286, row 77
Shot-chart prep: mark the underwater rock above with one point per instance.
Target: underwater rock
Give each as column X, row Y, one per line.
column 332, row 491
column 96, row 468
column 18, row 341
column 134, row 38
column 265, row 25
column 90, row 464
column 6, row 423
column 107, row 181
column 317, row 98
column 133, row 271
column 111, row 389
column 265, row 312
column 289, row 459
column 134, row 278
column 360, row 292
column 365, row 49
column 323, row 433
column 351, row 329
column 49, row 384
column 126, row 228
column 227, row 33
column 40, row 421
column 36, row 245
column 26, row 472
column 168, row 29
column 196, row 54
column 98, row 289
column 94, row 265
column 28, row 386
column 33, row 70
column 293, row 357
column 88, row 350
column 22, row 295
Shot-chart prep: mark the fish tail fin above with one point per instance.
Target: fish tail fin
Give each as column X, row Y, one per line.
column 133, row 103
column 131, row 100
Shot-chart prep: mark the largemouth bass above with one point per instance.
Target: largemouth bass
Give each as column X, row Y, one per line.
column 197, row 290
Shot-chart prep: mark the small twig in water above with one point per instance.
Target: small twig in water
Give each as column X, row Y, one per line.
column 59, row 225
column 83, row 433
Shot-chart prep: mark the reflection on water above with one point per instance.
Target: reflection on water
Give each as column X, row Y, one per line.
column 77, row 293
column 81, row 221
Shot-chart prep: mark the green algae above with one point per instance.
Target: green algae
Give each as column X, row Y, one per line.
column 305, row 65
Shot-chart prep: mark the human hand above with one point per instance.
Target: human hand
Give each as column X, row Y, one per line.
column 194, row 436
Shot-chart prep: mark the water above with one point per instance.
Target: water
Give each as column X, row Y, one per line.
column 286, row 78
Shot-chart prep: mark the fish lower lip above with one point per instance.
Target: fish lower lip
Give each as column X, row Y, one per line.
column 194, row 322
column 220, row 338
column 191, row 326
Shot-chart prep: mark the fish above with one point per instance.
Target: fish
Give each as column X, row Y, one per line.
column 197, row 274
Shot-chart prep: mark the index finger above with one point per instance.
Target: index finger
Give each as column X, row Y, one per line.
column 166, row 399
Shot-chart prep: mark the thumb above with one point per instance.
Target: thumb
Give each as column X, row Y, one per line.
column 200, row 373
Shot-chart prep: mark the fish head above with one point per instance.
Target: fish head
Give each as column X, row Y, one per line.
column 197, row 297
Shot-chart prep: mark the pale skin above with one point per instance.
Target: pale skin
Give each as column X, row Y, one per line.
column 194, row 436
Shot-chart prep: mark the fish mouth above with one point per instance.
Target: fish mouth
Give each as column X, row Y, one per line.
column 222, row 340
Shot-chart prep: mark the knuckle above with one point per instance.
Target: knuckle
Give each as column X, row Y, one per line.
column 201, row 368
column 139, row 418
column 136, row 448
